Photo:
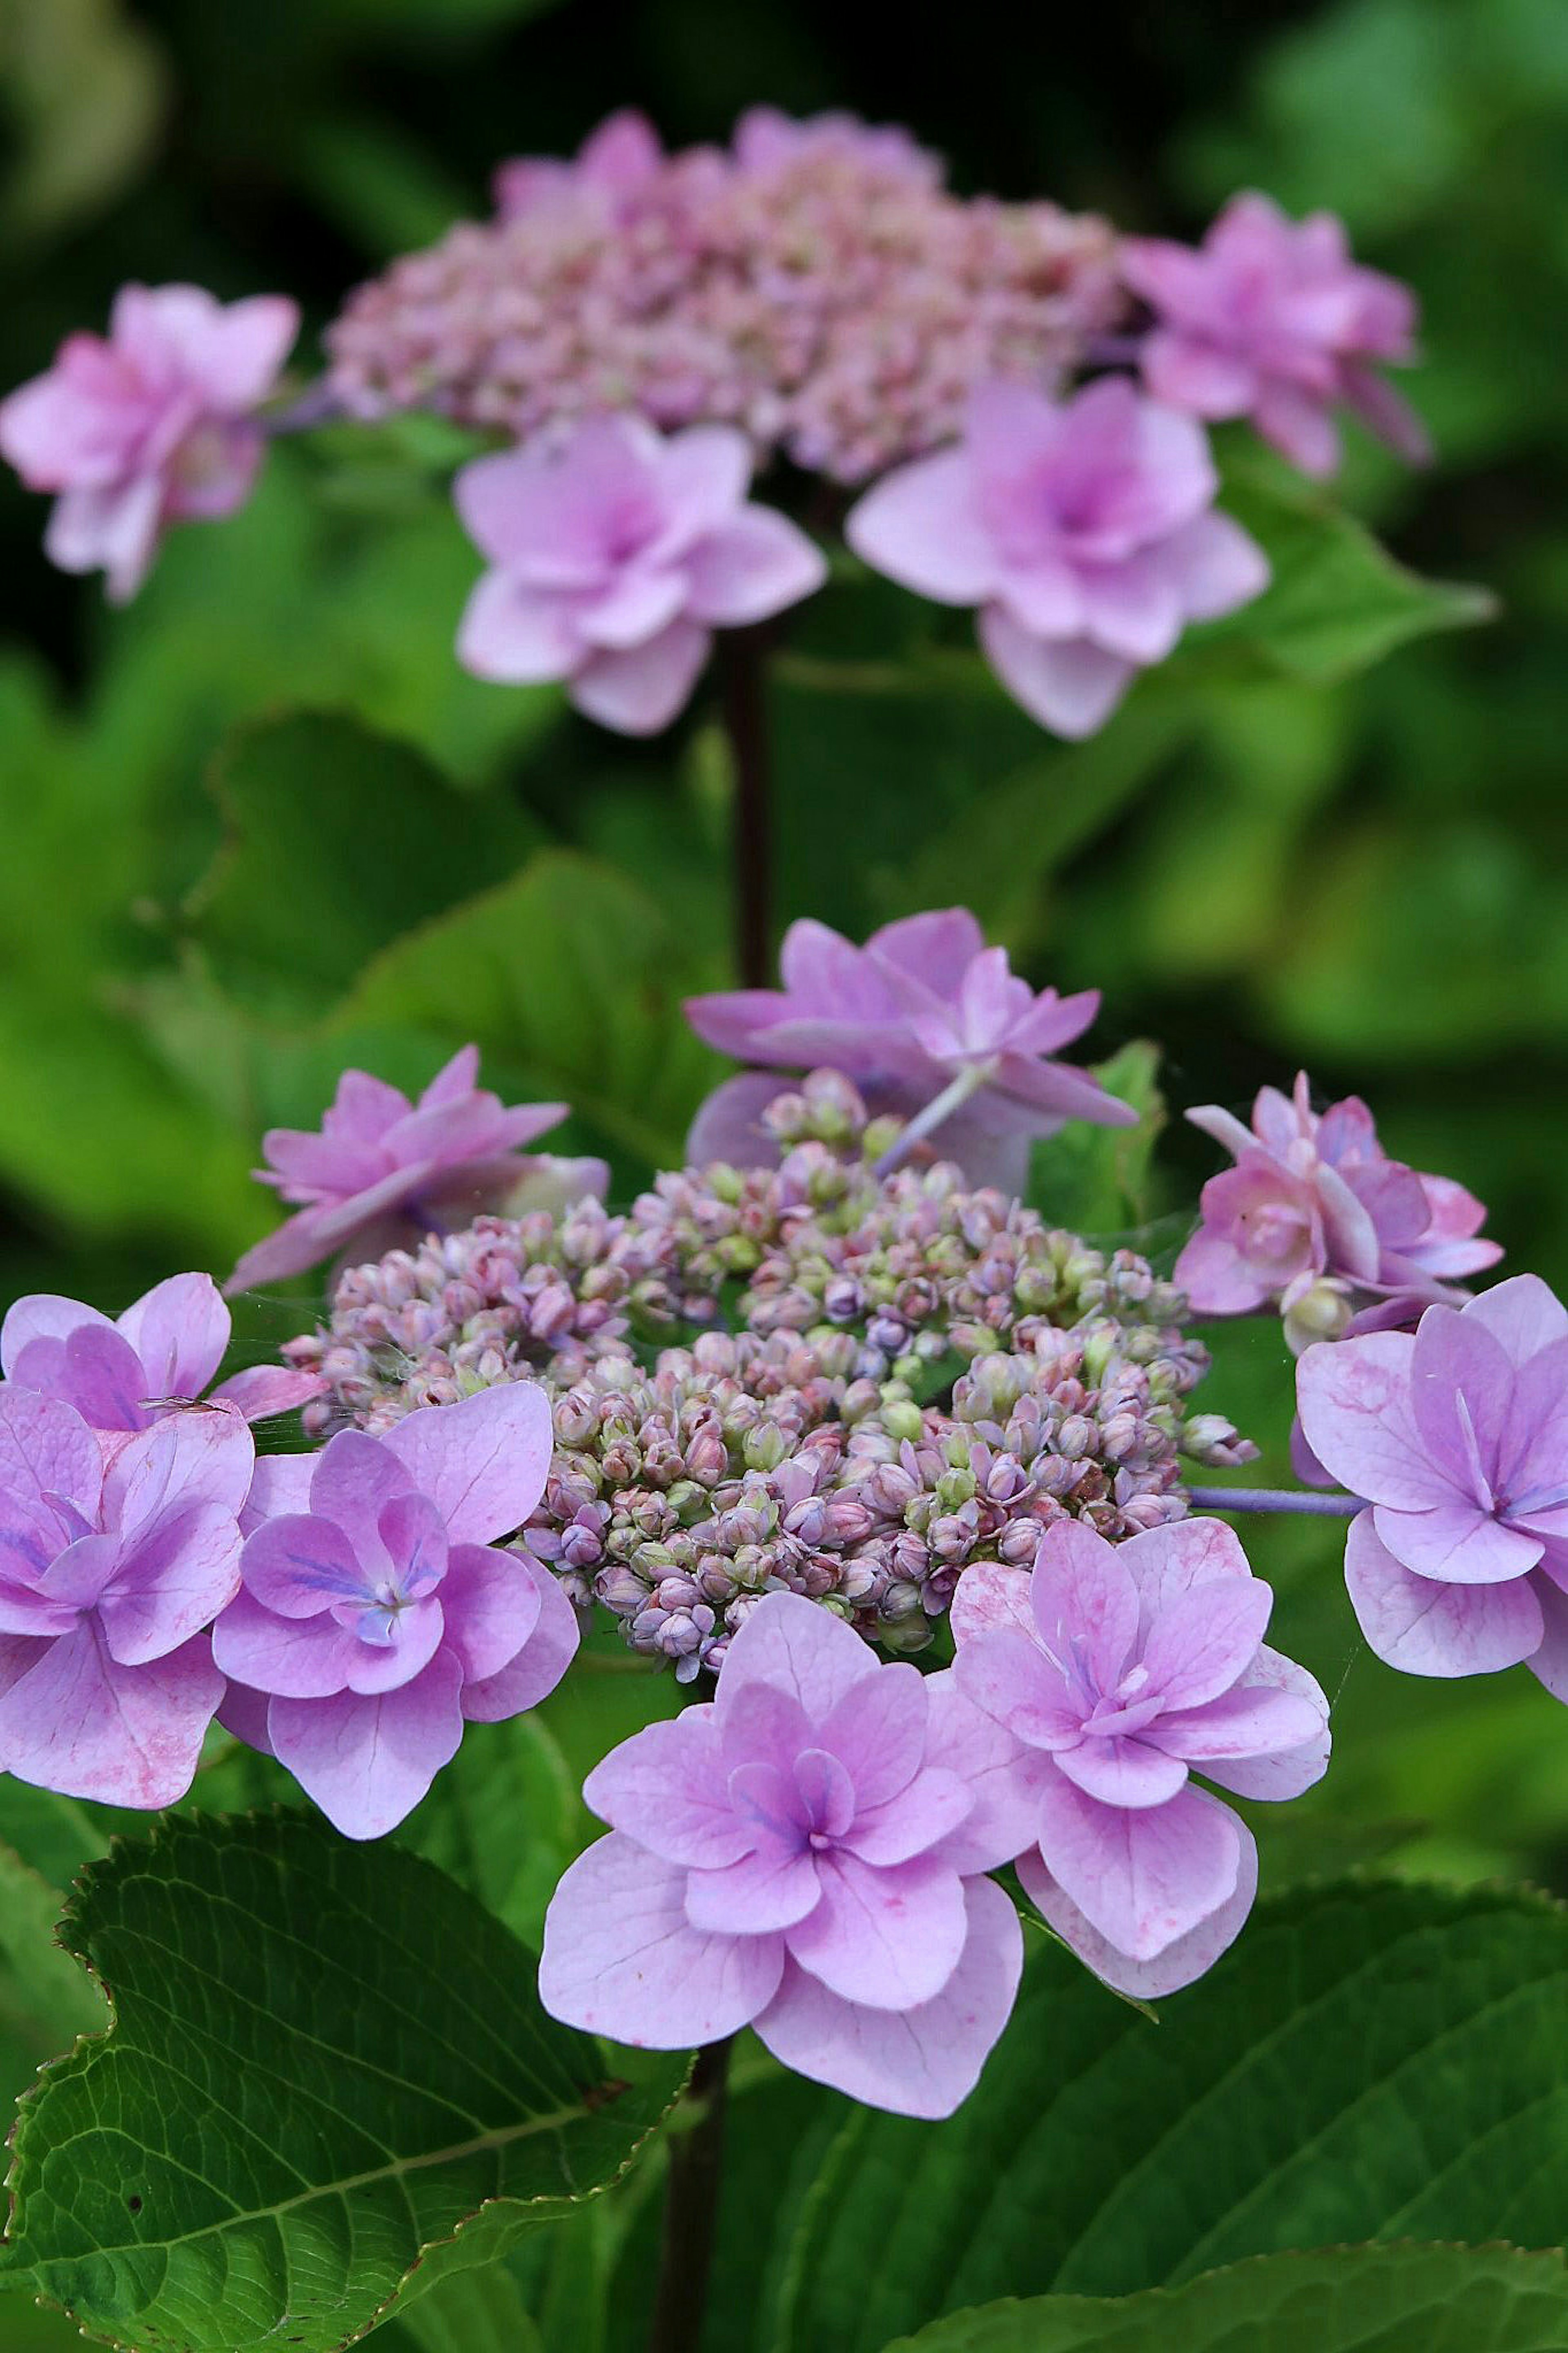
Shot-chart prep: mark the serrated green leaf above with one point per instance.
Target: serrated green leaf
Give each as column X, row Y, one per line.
column 468, row 1825
column 1351, row 2300
column 328, row 2071
column 1371, row 2063
column 476, row 2312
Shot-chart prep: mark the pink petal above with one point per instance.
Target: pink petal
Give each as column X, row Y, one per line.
column 1132, row 608
column 939, row 945
column 298, row 1565
column 1084, row 1600
column 296, row 1245
column 1287, row 1772
column 1178, row 1557
column 921, row 525
column 518, row 636
column 621, row 1958
column 1523, row 1313
column 1455, row 1357
column 99, row 1373
column 760, row 1893
column 1426, row 1628
column 1008, row 1676
column 990, row 1596
column 1299, row 425
column 922, row 2062
column 1187, row 373
column 1249, row 1720
column 665, row 1788
column 1216, row 566
column 78, row 1722
column 1549, row 1663
column 1141, row 1879
column 640, row 601
column 538, row 1666
column 1068, row 684
column 750, row 568
column 729, row 1126
column 393, row 1666
column 878, row 1731
column 261, row 1391
column 1456, row 1542
column 179, row 1330
column 241, row 346
column 201, row 1454
column 41, row 1315
column 922, row 1818
column 483, row 1462
column 1003, row 1778
column 640, row 692
column 1120, row 1771
column 170, row 1583
column 367, row 1761
column 1201, row 1641
column 302, row 1658
column 803, row 1649
column 1353, row 1397
column 704, row 472
column 46, row 1449
column 281, row 1483
column 889, row 1937
column 1217, row 1279
column 491, row 1606
column 1181, row 1961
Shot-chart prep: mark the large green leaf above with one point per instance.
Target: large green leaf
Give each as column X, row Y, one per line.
column 326, row 2061
column 1372, row 2062
column 1096, row 1180
column 572, row 979
column 1353, row 2300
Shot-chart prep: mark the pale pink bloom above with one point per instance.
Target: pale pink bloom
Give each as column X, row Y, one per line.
column 805, row 1856
column 766, row 140
column 155, row 1359
column 923, row 1001
column 1456, row 1436
column 1120, row 1672
column 377, row 1617
column 616, row 161
column 1083, row 528
column 616, row 554
column 1314, row 1202
column 382, row 1170
column 1270, row 319
column 151, row 426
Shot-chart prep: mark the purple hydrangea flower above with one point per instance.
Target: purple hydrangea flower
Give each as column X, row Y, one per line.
column 1120, row 1671
column 1083, row 528
column 923, row 1001
column 1270, row 319
column 156, row 1358
column 152, row 427
column 377, row 1617
column 1315, row 1211
column 382, row 1170
column 109, row 1575
column 617, row 554
column 805, row 1855
column 1457, row 1435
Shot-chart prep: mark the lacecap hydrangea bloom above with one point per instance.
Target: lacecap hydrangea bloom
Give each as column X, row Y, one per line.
column 923, row 1002
column 1457, row 1438
column 1272, row 320
column 616, row 554
column 1316, row 1218
column 1083, row 528
column 804, row 1855
column 382, row 1169
column 154, row 424
column 1120, row 1672
column 376, row 1615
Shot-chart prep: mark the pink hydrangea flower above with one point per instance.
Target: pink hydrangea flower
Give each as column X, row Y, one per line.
column 109, row 1575
column 1315, row 1211
column 1457, row 1435
column 1084, row 530
column 377, row 1617
column 382, row 1170
column 766, row 140
column 155, row 1359
column 151, row 426
column 923, row 1000
column 1270, row 319
column 623, row 157
column 804, row 1856
column 1120, row 1671
column 617, row 554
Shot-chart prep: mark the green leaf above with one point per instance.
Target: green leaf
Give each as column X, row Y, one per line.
column 474, row 2312
column 325, row 2063
column 1338, row 601
column 1372, row 2062
column 1352, row 2300
column 338, row 841
column 1096, row 1180
column 572, row 980
column 468, row 1825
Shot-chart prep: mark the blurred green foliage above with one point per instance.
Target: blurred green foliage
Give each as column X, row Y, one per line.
column 261, row 824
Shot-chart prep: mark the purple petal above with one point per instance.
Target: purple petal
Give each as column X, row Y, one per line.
column 1201, row 1641
column 1286, row 1772
column 1010, row 1678
column 491, row 1606
column 750, row 568
column 42, row 1315
column 296, row 1245
column 47, row 1448
column 1120, row 1771
column 1178, row 1557
column 1353, row 1397
column 729, row 1123
column 804, row 1650
column 1549, row 1662
column 78, row 1721
column 281, row 1483
column 355, row 1474
column 878, row 1731
column 297, row 1566
column 299, row 1658
column 1216, row 565
column 889, row 1937
column 1068, row 684
column 243, row 1712
column 202, row 1454
column 99, row 1373
column 1248, row 1720
column 1141, row 1879
column 1461, row 1395
column 665, row 1788
column 988, row 1596
column 1003, row 1777
column 763, row 1891
column 368, row 1760
column 1181, row 1961
column 168, row 1584
column 1457, row 1543
column 640, row 601
column 704, row 472
column 260, row 1391
column 484, row 1461
column 179, row 1330
column 538, row 1666
column 621, row 1958
column 413, row 1639
column 640, row 691
column 922, row 2062
column 921, row 526
column 921, row 1818
column 517, row 635
column 1522, row 1312
column 1425, row 1628
column 1085, row 1601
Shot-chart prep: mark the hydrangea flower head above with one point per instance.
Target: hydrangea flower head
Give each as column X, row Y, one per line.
column 1270, row 319
column 1315, row 1199
column 151, row 426
column 804, row 1856
column 155, row 1359
column 381, row 1169
column 616, row 554
column 109, row 1575
column 377, row 1617
column 1456, row 1436
column 1121, row 1671
column 923, row 1001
